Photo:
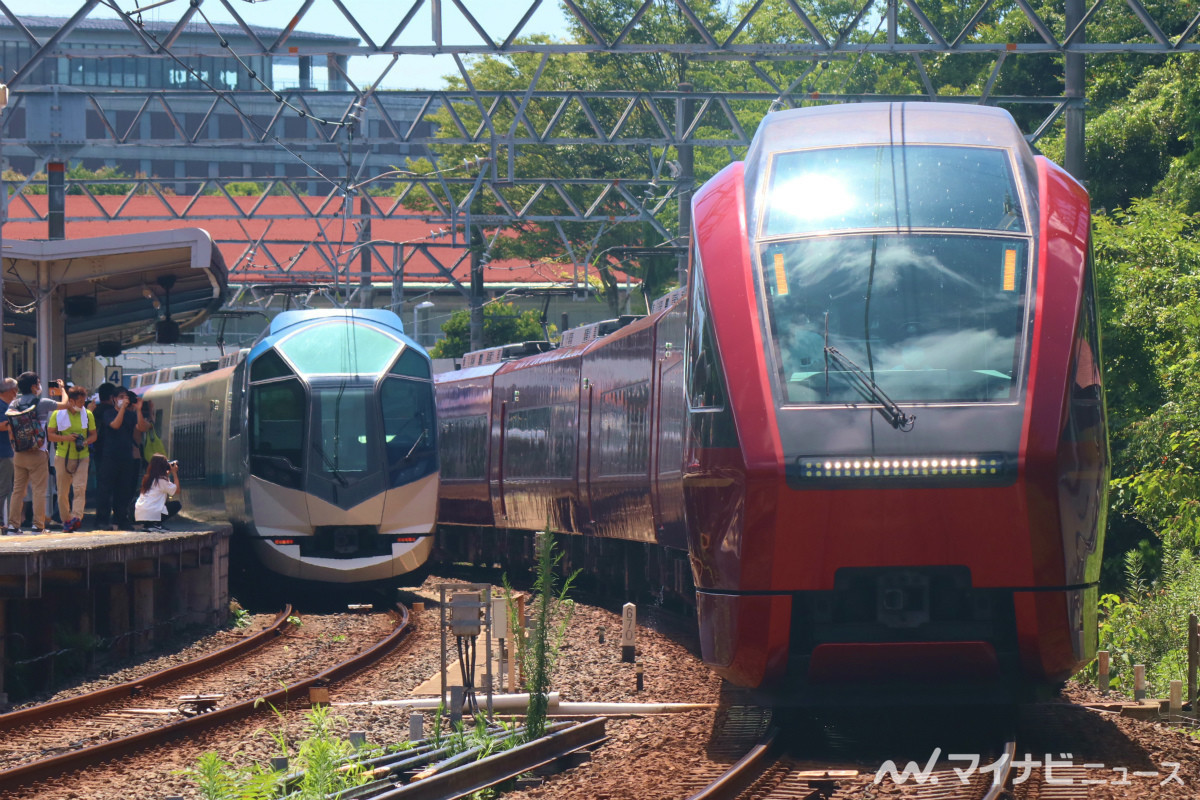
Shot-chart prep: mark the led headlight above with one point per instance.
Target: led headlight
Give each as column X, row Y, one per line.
column 901, row 467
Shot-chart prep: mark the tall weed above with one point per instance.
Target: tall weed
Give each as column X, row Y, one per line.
column 1150, row 626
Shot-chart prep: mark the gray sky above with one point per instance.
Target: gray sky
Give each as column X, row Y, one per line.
column 378, row 17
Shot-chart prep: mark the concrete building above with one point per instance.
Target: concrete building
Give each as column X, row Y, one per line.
column 107, row 120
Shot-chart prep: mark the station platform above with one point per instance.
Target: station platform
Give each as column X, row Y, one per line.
column 75, row 598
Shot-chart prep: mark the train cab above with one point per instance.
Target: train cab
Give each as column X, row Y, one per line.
column 342, row 445
column 896, row 463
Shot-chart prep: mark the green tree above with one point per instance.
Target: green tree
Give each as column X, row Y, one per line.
column 502, row 324
column 77, row 172
column 1149, row 282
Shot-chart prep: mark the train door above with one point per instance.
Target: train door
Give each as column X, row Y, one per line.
column 669, row 420
column 235, row 451
column 496, row 470
column 587, row 519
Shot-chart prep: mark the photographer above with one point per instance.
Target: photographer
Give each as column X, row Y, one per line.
column 153, row 504
column 72, row 429
column 118, row 458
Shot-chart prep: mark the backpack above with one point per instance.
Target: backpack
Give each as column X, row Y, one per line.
column 26, row 432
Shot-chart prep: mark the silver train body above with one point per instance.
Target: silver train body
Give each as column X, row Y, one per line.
column 318, row 443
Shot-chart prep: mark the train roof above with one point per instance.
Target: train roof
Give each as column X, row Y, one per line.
column 375, row 316
column 851, row 124
column 352, row 341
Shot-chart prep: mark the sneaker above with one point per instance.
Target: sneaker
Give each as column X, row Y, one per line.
column 37, row 529
column 12, row 529
column 72, row 525
column 157, row 529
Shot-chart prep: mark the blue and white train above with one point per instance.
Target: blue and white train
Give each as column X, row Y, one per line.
column 319, row 443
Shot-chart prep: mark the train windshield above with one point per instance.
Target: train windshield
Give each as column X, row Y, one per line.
column 341, row 448
column 915, row 186
column 927, row 318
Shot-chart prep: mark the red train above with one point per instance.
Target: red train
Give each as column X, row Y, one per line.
column 874, row 427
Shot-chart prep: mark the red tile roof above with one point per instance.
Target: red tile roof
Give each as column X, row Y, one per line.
column 313, row 232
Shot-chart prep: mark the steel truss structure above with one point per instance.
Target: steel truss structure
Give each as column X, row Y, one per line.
column 499, row 123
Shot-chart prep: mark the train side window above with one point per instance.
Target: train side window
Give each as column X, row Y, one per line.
column 269, row 365
column 625, row 430
column 705, row 380
column 277, row 429
column 464, row 448
column 528, row 448
column 409, row 428
column 411, row 364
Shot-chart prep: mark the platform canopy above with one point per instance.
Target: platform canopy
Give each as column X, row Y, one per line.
column 111, row 288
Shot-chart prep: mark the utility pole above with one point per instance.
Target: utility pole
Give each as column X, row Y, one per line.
column 475, row 237
column 683, row 116
column 1074, row 89
column 364, row 250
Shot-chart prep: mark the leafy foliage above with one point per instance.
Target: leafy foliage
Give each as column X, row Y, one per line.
column 1149, row 279
column 327, row 765
column 76, row 172
column 502, row 324
column 1150, row 626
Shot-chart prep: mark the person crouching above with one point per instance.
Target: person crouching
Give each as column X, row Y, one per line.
column 72, row 429
column 160, row 482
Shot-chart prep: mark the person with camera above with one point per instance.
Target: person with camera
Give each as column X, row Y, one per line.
column 158, row 485
column 72, row 429
column 118, row 458
column 26, row 417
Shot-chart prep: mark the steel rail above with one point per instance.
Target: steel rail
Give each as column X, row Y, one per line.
column 735, row 779
column 116, row 748
column 1000, row 782
column 466, row 780
column 44, row 711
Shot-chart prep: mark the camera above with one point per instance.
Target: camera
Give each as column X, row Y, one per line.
column 172, row 463
column 80, row 442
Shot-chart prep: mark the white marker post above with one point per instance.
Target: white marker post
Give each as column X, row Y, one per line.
column 500, row 631
column 1102, row 677
column 416, row 726
column 1139, row 682
column 628, row 632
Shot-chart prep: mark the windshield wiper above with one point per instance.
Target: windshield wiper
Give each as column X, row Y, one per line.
column 420, row 438
column 333, row 470
column 870, row 390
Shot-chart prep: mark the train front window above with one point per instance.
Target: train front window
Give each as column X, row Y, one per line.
column 341, row 442
column 339, row 347
column 410, row 434
column 915, row 186
column 928, row 318
column 277, row 431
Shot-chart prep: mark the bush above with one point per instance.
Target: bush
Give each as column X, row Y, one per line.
column 1150, row 627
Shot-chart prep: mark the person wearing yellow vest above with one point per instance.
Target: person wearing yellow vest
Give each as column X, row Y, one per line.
column 72, row 429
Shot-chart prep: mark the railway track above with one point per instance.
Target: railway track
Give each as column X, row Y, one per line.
column 50, row 757
column 768, row 772
column 49, row 728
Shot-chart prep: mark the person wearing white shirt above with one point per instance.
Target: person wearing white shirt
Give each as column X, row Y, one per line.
column 160, row 482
